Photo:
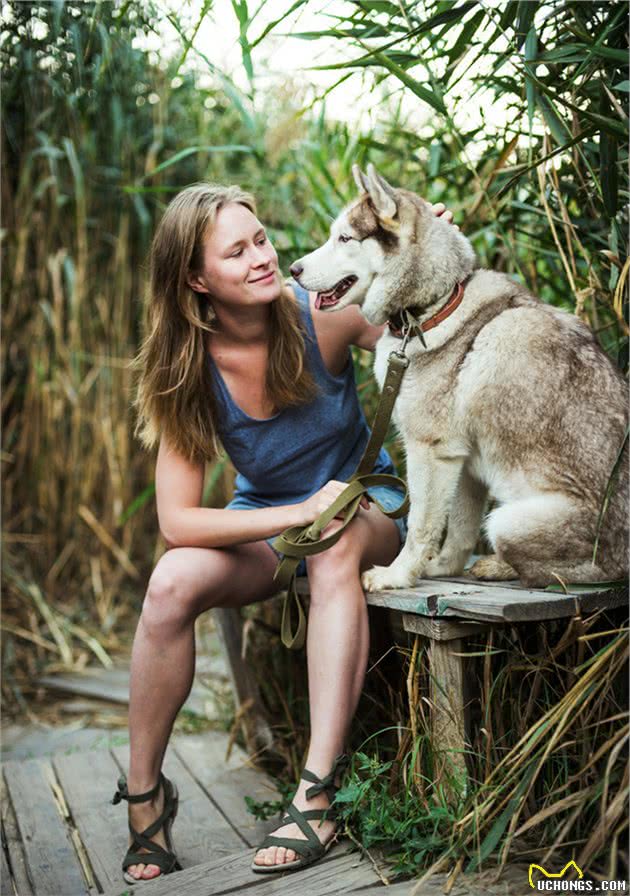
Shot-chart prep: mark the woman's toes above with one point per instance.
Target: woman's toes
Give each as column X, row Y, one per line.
column 270, row 857
column 150, row 871
column 291, row 855
column 138, row 872
column 280, row 854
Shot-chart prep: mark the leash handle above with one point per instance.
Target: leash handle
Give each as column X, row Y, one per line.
column 298, row 542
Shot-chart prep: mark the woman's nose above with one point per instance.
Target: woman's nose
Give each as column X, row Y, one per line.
column 260, row 256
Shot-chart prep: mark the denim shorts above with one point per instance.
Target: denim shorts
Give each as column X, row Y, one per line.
column 389, row 497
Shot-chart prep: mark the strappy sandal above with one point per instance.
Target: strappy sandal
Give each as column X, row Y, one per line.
column 165, row 859
column 311, row 849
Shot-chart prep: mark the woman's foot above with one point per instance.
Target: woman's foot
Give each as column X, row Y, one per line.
column 280, row 855
column 141, row 815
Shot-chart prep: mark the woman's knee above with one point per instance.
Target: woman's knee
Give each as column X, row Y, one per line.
column 337, row 565
column 172, row 599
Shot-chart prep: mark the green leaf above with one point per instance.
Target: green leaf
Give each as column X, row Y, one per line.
column 145, row 495
column 465, row 37
column 531, row 49
column 608, row 172
column 524, row 20
column 420, row 91
column 448, row 15
column 623, row 85
column 587, row 587
column 190, row 150
column 381, row 6
column 553, row 121
column 497, row 830
column 273, row 24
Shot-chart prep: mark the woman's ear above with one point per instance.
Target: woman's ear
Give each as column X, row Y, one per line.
column 195, row 283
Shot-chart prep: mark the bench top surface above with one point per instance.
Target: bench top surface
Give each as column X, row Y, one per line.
column 467, row 598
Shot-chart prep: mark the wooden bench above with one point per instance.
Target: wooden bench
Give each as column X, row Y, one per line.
column 445, row 612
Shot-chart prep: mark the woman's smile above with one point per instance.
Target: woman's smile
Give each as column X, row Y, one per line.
column 265, row 278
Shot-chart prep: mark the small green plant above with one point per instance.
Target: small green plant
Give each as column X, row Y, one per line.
column 379, row 813
column 264, row 809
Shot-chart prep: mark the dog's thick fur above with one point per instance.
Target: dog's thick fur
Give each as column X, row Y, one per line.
column 511, row 399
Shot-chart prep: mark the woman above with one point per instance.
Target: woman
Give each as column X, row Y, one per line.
column 236, row 356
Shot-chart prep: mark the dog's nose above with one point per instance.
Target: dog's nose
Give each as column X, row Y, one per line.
column 296, row 269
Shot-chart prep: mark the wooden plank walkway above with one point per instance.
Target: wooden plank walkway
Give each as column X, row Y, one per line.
column 61, row 836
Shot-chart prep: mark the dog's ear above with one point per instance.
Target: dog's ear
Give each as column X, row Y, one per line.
column 381, row 194
column 360, row 179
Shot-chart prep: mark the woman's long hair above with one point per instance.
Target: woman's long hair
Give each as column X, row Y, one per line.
column 174, row 397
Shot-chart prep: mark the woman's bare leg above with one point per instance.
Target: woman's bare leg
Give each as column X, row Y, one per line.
column 337, row 652
column 185, row 582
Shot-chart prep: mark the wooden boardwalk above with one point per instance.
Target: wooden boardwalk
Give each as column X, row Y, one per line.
column 61, row 835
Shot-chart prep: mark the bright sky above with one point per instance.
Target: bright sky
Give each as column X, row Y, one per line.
column 280, row 54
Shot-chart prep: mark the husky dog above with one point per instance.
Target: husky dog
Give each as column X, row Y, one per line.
column 507, row 397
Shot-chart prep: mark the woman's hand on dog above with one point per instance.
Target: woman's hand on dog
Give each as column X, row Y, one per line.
column 441, row 211
column 310, row 509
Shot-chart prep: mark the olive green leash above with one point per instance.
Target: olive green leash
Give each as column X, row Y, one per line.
column 298, row 542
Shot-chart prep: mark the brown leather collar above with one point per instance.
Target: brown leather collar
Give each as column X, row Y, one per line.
column 397, row 322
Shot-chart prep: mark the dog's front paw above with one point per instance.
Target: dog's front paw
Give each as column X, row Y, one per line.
column 382, row 578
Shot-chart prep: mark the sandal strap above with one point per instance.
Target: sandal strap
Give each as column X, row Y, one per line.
column 327, row 784
column 312, row 846
column 155, row 853
column 166, row 861
column 142, row 841
column 167, row 811
column 123, row 794
column 309, row 814
column 301, row 847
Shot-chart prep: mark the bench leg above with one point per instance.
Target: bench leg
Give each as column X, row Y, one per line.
column 256, row 730
column 446, row 672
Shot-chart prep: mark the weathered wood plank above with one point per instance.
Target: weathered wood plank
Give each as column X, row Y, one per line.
column 113, row 685
column 441, row 629
column 14, row 846
column 6, row 881
column 244, row 686
column 331, row 879
column 436, row 886
column 89, row 781
column 488, row 601
column 228, row 782
column 200, row 831
column 506, row 605
column 53, row 866
column 447, row 696
column 232, row 874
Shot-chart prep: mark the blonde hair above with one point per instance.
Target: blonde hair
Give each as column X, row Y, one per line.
column 175, row 390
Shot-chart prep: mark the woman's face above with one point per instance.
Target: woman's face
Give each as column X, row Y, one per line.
column 240, row 266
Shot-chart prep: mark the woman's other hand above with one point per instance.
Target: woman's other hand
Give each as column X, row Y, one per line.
column 310, row 509
column 441, row 211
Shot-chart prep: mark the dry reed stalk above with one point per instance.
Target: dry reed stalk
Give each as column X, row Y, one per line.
column 105, row 538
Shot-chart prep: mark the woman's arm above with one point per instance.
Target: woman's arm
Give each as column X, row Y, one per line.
column 184, row 523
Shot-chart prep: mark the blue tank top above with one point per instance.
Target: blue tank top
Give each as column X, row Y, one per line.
column 286, row 458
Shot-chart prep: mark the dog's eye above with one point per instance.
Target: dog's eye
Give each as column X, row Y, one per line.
column 343, row 238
